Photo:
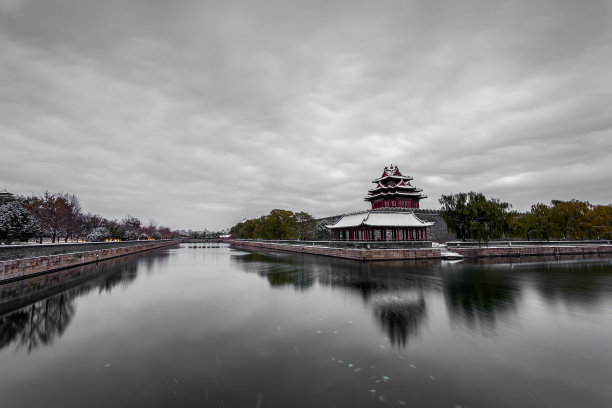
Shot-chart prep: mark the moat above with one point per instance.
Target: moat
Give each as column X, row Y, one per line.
column 210, row 326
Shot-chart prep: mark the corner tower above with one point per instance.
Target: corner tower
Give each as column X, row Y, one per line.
column 393, row 190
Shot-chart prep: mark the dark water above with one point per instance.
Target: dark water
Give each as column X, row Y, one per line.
column 219, row 327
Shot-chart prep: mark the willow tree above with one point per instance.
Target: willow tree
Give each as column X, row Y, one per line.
column 473, row 216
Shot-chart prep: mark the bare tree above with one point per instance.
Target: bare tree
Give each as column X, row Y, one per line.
column 51, row 211
column 72, row 216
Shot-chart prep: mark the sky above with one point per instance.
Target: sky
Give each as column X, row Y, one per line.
column 201, row 113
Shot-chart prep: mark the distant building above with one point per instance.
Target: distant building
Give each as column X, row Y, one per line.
column 5, row 197
column 391, row 217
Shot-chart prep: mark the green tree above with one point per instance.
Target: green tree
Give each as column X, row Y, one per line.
column 570, row 218
column 473, row 216
column 539, row 222
column 456, row 214
column 305, row 225
column 600, row 222
column 278, row 224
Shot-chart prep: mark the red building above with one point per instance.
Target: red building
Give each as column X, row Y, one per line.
column 391, row 218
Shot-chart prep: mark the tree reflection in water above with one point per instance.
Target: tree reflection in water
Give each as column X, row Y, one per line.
column 573, row 282
column 479, row 297
column 278, row 270
column 42, row 321
column 401, row 319
column 38, row 324
column 394, row 294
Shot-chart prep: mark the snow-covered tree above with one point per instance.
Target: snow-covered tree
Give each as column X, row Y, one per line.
column 16, row 223
column 130, row 235
column 98, row 234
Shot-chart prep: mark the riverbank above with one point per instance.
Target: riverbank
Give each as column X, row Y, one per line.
column 527, row 250
column 25, row 267
column 465, row 250
column 359, row 254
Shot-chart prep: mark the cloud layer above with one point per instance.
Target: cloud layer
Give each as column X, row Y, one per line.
column 198, row 113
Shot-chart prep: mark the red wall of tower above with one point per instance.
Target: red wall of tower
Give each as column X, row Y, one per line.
column 395, row 204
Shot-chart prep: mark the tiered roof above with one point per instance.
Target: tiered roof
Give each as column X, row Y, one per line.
column 393, row 184
column 5, row 197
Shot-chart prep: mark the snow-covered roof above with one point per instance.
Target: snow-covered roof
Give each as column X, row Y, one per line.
column 381, row 219
column 397, row 193
column 350, row 220
column 407, row 178
column 396, row 187
column 397, row 219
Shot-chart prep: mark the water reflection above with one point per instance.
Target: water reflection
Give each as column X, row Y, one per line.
column 478, row 297
column 573, row 283
column 394, row 294
column 36, row 311
column 364, row 278
column 277, row 269
column 401, row 319
column 38, row 324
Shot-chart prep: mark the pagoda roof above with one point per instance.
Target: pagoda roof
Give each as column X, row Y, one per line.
column 380, row 219
column 395, row 187
column 392, row 172
column 416, row 194
column 6, row 195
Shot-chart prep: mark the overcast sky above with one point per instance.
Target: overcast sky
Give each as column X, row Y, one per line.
column 200, row 113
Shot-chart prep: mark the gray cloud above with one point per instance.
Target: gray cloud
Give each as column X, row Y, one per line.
column 198, row 114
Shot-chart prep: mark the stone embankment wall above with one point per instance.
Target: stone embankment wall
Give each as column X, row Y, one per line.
column 18, row 293
column 10, row 252
column 26, row 267
column 519, row 251
column 346, row 253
